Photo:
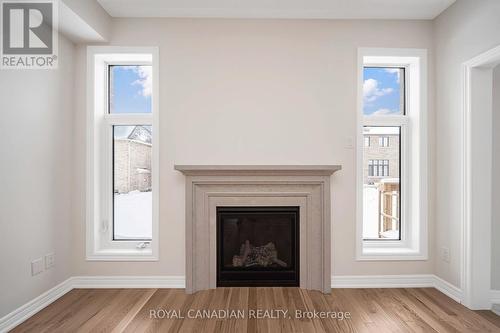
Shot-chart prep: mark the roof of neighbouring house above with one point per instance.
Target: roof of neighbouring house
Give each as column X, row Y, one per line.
column 141, row 133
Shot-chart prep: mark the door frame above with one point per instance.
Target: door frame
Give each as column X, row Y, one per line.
column 477, row 79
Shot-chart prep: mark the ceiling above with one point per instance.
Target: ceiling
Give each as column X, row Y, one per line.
column 318, row 9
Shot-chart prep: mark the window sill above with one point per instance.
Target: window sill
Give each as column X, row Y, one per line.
column 122, row 255
column 390, row 253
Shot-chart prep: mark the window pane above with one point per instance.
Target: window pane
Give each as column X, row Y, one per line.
column 132, row 196
column 130, row 89
column 383, row 141
column 381, row 183
column 383, row 91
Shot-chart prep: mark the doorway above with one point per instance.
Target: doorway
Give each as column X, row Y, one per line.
column 478, row 207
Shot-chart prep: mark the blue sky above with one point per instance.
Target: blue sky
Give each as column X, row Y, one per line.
column 131, row 89
column 381, row 92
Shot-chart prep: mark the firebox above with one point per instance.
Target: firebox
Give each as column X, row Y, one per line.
column 257, row 246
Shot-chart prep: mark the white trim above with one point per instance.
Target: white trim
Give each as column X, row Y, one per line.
column 488, row 59
column 495, row 298
column 474, row 270
column 448, row 289
column 383, row 281
column 377, row 10
column 398, row 281
column 27, row 310
column 89, row 282
column 466, row 271
column 495, row 308
column 414, row 159
column 99, row 246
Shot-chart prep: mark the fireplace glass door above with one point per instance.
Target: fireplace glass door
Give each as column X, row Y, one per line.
column 257, row 246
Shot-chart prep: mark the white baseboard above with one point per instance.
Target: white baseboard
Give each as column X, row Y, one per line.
column 27, row 310
column 496, row 309
column 347, row 281
column 174, row 282
column 383, row 281
column 448, row 289
column 398, row 281
column 495, row 301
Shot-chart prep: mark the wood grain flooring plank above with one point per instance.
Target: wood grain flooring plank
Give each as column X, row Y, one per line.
column 120, row 327
column 171, row 310
column 490, row 316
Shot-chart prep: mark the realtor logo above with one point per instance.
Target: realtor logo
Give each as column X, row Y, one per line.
column 29, row 34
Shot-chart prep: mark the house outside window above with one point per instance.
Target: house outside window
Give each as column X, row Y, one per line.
column 378, row 168
column 383, row 141
column 132, row 182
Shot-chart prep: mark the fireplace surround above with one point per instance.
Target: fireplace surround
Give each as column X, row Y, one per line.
column 210, row 188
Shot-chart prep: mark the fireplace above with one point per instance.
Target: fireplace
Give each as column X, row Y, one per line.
column 213, row 189
column 258, row 246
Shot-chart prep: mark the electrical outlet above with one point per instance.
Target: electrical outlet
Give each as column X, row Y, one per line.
column 50, row 260
column 36, row 266
column 445, row 254
column 349, row 142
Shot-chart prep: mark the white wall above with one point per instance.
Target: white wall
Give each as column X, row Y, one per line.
column 463, row 31
column 89, row 15
column 252, row 92
column 495, row 226
column 36, row 169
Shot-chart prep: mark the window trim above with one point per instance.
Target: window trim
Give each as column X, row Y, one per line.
column 414, row 238
column 99, row 246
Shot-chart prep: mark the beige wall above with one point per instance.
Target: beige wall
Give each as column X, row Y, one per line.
column 463, row 31
column 495, row 232
column 252, row 92
column 37, row 118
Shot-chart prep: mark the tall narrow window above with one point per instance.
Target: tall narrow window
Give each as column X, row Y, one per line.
column 383, row 91
column 123, row 154
column 392, row 172
column 129, row 92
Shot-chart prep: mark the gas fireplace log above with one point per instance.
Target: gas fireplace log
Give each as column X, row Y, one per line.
column 246, row 250
column 279, row 262
column 250, row 255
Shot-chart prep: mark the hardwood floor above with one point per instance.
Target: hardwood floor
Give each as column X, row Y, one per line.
column 371, row 310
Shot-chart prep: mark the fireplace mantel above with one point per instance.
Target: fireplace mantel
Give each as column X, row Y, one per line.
column 303, row 186
column 249, row 170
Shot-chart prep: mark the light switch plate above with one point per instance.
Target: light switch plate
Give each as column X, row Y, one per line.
column 36, row 266
column 49, row 260
column 349, row 142
column 445, row 254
